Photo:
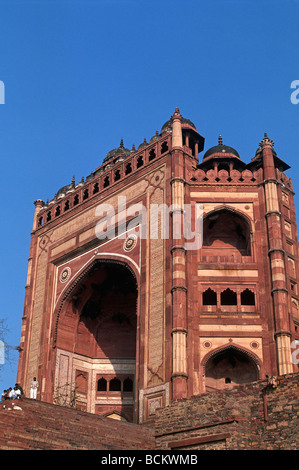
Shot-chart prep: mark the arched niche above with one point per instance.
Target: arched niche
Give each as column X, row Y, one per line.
column 96, row 330
column 230, row 366
column 226, row 232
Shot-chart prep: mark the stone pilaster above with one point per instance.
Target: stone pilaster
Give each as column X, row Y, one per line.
column 277, row 261
column 179, row 289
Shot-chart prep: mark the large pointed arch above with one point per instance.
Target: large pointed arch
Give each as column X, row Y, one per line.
column 226, row 230
column 230, row 364
column 73, row 283
column 95, row 332
column 233, row 211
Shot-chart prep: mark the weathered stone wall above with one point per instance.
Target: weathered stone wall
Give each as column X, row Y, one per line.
column 253, row 416
column 248, row 417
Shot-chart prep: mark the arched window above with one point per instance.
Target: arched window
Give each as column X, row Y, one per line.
column 152, row 155
column 57, row 212
column 247, row 297
column 164, row 147
column 139, row 161
column 96, row 188
column 228, row 297
column 209, row 297
column 115, row 385
column 102, row 385
column 85, row 195
column 76, row 200
column 128, row 385
column 106, row 182
column 49, row 217
column 128, row 168
column 117, row 175
column 67, row 205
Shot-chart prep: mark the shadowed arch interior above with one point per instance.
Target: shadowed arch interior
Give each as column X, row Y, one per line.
column 226, row 230
column 107, row 309
column 229, row 366
column 99, row 322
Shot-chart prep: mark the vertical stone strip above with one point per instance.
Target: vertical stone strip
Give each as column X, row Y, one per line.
column 179, row 289
column 27, row 319
column 277, row 261
column 157, row 297
column 37, row 317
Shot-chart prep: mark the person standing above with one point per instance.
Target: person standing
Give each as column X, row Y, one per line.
column 33, row 388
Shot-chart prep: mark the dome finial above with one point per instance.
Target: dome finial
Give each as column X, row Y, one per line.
column 220, row 140
column 266, row 142
column 176, row 114
column 121, row 143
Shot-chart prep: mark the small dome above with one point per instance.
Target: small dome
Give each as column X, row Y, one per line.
column 219, row 149
column 185, row 123
column 66, row 188
column 143, row 144
column 155, row 137
column 121, row 150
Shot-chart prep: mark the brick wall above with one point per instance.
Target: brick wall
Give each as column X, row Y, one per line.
column 254, row 416
column 43, row 426
column 247, row 417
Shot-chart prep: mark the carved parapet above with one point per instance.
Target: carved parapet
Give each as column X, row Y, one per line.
column 104, row 177
column 228, row 177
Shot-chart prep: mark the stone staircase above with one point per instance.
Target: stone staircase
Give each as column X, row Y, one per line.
column 44, row 426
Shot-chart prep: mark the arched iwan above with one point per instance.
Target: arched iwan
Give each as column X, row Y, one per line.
column 102, row 258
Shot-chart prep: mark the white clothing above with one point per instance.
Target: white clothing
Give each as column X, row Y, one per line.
column 33, row 389
column 12, row 394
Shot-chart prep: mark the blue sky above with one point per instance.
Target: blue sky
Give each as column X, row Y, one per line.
column 81, row 75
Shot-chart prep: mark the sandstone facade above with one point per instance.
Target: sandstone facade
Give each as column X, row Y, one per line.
column 131, row 321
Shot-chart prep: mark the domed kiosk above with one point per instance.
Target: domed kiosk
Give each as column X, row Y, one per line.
column 117, row 153
column 222, row 157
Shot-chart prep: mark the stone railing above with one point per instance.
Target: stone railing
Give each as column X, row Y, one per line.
column 104, row 177
column 246, row 177
column 223, row 176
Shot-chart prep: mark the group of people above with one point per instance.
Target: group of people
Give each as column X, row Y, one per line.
column 17, row 392
column 13, row 393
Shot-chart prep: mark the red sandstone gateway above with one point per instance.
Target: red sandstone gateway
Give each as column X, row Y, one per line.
column 123, row 325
